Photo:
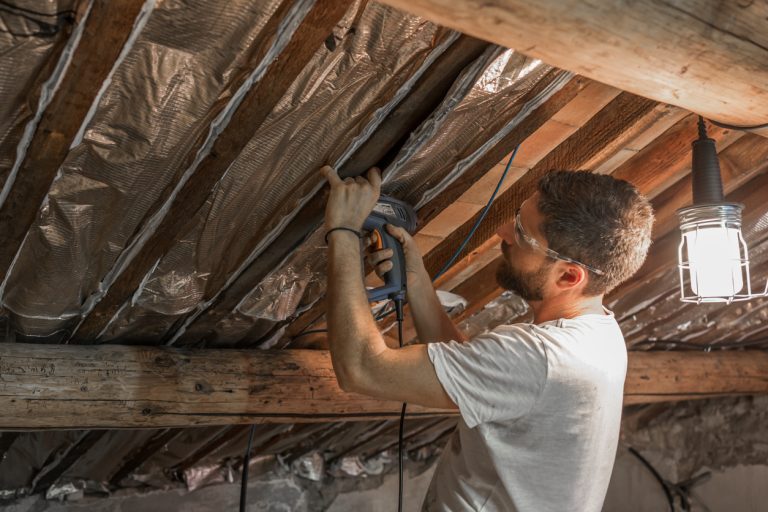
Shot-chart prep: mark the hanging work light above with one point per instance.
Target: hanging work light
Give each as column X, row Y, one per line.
column 713, row 256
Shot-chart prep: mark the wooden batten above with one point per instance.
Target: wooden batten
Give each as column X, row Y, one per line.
column 122, row 386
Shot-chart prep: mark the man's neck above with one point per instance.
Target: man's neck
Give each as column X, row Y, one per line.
column 554, row 309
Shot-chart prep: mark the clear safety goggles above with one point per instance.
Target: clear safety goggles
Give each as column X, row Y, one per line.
column 521, row 235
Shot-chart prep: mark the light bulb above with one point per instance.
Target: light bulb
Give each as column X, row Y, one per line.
column 714, row 257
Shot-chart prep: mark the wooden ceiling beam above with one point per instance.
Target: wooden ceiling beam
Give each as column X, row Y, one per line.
column 711, row 59
column 120, row 386
column 106, row 30
column 246, row 119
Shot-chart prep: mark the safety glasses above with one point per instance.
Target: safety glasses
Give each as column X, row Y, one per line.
column 521, row 236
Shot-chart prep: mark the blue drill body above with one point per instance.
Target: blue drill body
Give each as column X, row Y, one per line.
column 391, row 211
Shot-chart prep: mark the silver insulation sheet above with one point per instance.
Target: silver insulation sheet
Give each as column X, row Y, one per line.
column 30, row 45
column 161, row 97
column 374, row 52
column 484, row 104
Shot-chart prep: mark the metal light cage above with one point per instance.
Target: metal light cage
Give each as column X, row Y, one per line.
column 723, row 215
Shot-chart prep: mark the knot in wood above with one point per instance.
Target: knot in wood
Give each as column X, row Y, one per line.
column 164, row 360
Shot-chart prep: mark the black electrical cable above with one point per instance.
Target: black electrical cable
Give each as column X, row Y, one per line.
column 657, row 476
column 400, row 452
column 246, row 461
column 734, row 127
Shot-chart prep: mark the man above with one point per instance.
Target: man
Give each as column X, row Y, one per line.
column 540, row 403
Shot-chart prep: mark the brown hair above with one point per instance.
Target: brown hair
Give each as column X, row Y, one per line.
column 598, row 220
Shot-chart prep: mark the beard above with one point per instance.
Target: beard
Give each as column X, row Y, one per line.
column 529, row 287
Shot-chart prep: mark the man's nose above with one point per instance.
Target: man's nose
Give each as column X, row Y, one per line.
column 507, row 232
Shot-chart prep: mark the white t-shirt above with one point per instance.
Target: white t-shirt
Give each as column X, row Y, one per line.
column 540, row 413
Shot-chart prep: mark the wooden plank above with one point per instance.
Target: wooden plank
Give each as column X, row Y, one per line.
column 710, row 58
column 106, row 30
column 670, row 373
column 246, row 120
column 118, row 386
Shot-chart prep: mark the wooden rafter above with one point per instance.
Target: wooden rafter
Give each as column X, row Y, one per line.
column 116, row 386
column 711, row 59
column 48, row 474
column 106, row 30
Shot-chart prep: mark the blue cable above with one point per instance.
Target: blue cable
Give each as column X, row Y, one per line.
column 472, row 231
column 480, row 219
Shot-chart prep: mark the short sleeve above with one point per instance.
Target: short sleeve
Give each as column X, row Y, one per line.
column 494, row 377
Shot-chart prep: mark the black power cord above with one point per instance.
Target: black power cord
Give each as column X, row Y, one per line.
column 400, row 452
column 246, row 463
column 657, row 476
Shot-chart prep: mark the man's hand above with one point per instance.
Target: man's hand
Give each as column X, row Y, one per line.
column 351, row 199
column 381, row 260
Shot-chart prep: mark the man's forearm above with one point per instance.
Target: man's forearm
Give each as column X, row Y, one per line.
column 352, row 332
column 430, row 319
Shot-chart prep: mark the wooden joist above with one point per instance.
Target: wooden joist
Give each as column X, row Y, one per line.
column 121, row 386
column 106, row 30
column 710, row 57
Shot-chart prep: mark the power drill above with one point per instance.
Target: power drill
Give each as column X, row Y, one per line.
column 389, row 210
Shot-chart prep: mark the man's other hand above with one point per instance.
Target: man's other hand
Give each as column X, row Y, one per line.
column 381, row 260
column 352, row 199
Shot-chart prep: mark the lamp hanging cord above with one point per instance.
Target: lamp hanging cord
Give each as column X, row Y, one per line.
column 734, row 127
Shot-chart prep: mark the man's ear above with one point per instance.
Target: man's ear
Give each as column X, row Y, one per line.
column 571, row 276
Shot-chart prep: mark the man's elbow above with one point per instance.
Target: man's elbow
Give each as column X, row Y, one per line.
column 349, row 379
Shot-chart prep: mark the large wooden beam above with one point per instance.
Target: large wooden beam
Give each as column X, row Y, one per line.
column 106, row 29
column 120, row 386
column 115, row 386
column 707, row 57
